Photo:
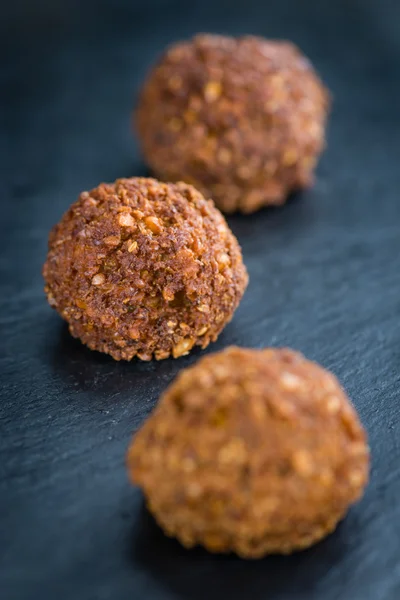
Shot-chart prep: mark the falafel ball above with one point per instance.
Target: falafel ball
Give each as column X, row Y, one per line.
column 143, row 268
column 251, row 451
column 241, row 119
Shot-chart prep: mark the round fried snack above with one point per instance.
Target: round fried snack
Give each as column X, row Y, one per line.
column 143, row 268
column 251, row 451
column 241, row 119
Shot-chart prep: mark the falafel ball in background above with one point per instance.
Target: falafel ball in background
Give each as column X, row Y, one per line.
column 251, row 451
column 143, row 268
column 241, row 119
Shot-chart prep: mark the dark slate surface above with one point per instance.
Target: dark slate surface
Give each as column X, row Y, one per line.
column 325, row 278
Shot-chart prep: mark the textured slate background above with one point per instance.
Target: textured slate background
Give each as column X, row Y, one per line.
column 325, row 279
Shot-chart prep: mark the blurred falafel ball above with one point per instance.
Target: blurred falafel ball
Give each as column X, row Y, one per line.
column 251, row 451
column 143, row 268
column 242, row 119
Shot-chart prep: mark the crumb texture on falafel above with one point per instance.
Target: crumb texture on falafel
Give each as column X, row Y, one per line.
column 242, row 119
column 251, row 451
column 143, row 268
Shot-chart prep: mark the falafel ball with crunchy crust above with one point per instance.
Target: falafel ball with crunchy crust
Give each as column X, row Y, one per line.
column 251, row 451
column 241, row 119
column 143, row 268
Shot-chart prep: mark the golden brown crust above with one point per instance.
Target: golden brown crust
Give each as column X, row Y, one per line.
column 143, row 268
column 241, row 119
column 251, row 451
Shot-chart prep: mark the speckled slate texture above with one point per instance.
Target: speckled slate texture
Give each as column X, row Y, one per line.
column 325, row 278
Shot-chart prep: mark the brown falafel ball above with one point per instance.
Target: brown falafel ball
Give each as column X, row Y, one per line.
column 251, row 451
column 143, row 268
column 241, row 119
